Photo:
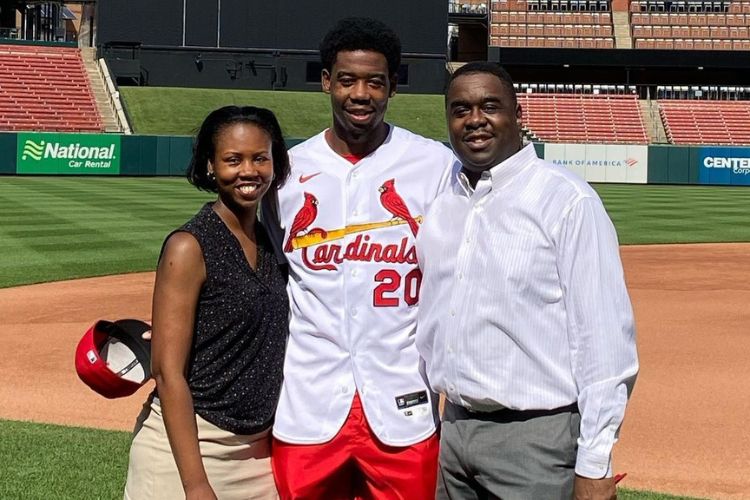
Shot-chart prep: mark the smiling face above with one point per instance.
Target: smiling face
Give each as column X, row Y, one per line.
column 360, row 87
column 483, row 121
column 242, row 164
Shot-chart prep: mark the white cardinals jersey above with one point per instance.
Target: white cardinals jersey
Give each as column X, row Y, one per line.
column 349, row 233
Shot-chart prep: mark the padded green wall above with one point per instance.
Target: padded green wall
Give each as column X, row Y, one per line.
column 672, row 164
column 7, row 153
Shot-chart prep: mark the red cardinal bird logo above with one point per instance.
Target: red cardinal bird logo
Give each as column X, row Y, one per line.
column 303, row 219
column 393, row 202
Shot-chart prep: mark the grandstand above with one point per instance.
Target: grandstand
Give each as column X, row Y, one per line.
column 597, row 71
column 589, row 71
column 647, row 24
column 45, row 88
column 583, row 118
column 527, row 23
column 706, row 122
column 724, row 26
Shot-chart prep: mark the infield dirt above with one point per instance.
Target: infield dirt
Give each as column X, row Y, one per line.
column 685, row 430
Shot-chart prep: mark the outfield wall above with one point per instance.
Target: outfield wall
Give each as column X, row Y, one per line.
column 148, row 155
column 621, row 163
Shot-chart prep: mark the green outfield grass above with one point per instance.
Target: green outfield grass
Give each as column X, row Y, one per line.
column 41, row 462
column 628, row 494
column 677, row 214
column 55, row 228
column 301, row 114
column 60, row 228
column 76, row 463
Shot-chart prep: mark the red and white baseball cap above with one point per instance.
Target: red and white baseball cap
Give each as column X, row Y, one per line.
column 113, row 359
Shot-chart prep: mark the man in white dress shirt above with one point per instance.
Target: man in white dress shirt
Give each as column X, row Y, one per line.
column 525, row 323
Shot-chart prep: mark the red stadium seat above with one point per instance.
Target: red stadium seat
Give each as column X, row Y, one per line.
column 584, row 118
column 561, row 23
column 706, row 122
column 49, row 86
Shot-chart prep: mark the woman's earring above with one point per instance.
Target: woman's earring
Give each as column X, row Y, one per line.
column 211, row 176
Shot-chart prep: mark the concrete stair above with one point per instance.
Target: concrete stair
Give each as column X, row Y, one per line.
column 99, row 88
column 621, row 21
column 652, row 122
column 452, row 66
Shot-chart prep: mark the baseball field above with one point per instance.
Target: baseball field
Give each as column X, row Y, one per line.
column 684, row 431
column 75, row 250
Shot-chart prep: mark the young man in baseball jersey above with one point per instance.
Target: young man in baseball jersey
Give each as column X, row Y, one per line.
column 356, row 417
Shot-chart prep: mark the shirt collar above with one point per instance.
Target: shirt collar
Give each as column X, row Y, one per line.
column 503, row 172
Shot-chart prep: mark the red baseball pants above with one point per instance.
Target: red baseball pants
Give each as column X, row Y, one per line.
column 354, row 464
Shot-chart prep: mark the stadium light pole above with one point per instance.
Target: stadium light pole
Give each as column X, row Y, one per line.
column 184, row 10
column 218, row 24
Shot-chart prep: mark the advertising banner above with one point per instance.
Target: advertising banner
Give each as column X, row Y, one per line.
column 60, row 154
column 724, row 165
column 626, row 163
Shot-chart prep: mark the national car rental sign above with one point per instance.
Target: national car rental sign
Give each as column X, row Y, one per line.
column 41, row 153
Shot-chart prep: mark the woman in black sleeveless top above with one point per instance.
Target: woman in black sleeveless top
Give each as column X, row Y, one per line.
column 220, row 323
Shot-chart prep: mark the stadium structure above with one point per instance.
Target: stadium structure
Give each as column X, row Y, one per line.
column 613, row 72
column 639, row 71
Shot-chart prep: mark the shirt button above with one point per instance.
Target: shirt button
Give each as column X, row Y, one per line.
column 355, row 212
column 355, row 174
column 453, row 313
column 450, row 349
column 355, row 272
column 460, row 276
column 343, row 389
column 452, row 388
column 354, row 312
column 468, row 239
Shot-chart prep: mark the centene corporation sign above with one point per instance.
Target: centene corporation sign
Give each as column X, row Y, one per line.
column 40, row 153
column 724, row 165
column 737, row 165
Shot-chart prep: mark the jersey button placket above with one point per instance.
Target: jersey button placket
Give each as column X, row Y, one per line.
column 349, row 269
column 352, row 273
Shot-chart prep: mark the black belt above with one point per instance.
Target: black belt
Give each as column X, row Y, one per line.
column 503, row 415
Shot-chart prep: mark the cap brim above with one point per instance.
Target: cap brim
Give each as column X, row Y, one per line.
column 92, row 367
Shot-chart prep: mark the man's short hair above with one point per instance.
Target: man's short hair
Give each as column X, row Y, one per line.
column 361, row 33
column 491, row 68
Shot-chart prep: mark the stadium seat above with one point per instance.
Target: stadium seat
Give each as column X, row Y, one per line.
column 706, row 121
column 558, row 23
column 706, row 25
column 49, row 86
column 587, row 118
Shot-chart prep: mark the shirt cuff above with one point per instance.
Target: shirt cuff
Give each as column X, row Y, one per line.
column 593, row 465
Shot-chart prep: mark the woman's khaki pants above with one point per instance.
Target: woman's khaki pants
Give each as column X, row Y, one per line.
column 238, row 466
